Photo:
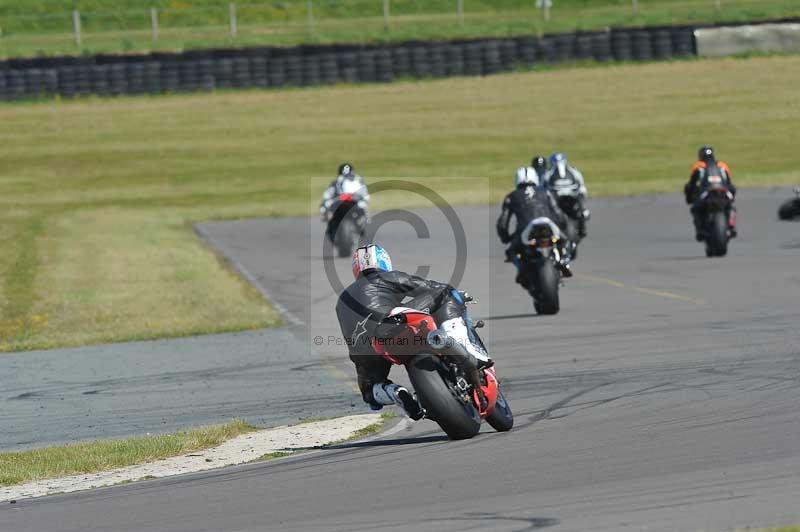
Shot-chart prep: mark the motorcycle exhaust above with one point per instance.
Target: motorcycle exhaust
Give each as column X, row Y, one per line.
column 440, row 341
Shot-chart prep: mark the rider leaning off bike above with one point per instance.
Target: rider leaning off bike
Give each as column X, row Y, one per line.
column 707, row 166
column 347, row 182
column 363, row 311
column 525, row 203
column 567, row 185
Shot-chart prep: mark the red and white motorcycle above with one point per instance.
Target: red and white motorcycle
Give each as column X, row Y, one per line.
column 453, row 388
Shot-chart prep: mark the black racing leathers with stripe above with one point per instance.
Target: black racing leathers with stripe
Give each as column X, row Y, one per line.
column 363, row 305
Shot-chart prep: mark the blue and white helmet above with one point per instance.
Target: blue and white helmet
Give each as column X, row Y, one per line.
column 558, row 162
column 371, row 257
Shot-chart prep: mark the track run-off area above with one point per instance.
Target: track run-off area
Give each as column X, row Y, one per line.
column 664, row 396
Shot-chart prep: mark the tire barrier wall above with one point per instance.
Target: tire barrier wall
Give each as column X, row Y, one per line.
column 264, row 67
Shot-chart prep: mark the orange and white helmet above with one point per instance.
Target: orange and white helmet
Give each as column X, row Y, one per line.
column 371, row 257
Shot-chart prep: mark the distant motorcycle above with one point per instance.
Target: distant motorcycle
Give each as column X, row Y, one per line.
column 790, row 209
column 717, row 202
column 347, row 221
column 541, row 258
column 453, row 389
column 567, row 201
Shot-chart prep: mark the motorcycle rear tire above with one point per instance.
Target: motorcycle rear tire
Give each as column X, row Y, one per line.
column 545, row 288
column 717, row 240
column 428, row 376
column 345, row 237
column 501, row 418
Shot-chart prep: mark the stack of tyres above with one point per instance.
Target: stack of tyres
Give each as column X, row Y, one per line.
column 526, row 47
column 3, row 85
column 347, row 67
column 683, row 43
column 401, row 59
column 294, row 70
column 311, row 70
column 565, row 44
column 662, row 44
column 419, row 61
column 584, row 46
column 170, row 77
column 437, row 61
column 187, row 73
column 491, row 58
column 98, row 75
column 15, row 84
column 118, row 79
column 328, row 69
column 223, row 73
column 642, row 45
column 205, row 74
column 152, row 77
column 34, row 81
column 276, row 69
column 601, row 46
column 135, row 74
column 473, row 59
column 384, row 68
column 508, row 54
column 83, row 84
column 66, row 81
column 547, row 49
column 258, row 69
column 365, row 64
column 454, row 60
column 621, row 46
column 241, row 73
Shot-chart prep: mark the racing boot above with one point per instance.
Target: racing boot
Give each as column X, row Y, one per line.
column 394, row 394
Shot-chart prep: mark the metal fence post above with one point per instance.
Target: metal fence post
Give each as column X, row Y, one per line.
column 76, row 26
column 310, row 18
column 718, row 5
column 232, row 16
column 154, row 23
column 460, row 12
column 386, row 14
column 635, row 7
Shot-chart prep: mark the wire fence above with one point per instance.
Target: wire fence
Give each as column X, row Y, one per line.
column 298, row 21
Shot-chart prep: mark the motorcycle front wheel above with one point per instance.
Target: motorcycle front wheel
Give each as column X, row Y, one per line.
column 501, row 418
column 345, row 237
column 432, row 382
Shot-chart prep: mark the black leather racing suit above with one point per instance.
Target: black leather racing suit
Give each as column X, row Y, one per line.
column 363, row 305
column 526, row 203
column 699, row 182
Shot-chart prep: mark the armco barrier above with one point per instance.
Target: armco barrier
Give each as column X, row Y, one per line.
column 263, row 67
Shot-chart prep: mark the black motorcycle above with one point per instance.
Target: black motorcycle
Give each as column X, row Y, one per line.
column 790, row 209
column 716, row 204
column 541, row 259
column 346, row 223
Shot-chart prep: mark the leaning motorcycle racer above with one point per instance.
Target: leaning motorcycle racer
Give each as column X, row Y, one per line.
column 346, row 182
column 363, row 309
column 567, row 185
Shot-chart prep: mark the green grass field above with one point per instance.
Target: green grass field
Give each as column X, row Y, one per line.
column 36, row 27
column 98, row 195
column 91, row 457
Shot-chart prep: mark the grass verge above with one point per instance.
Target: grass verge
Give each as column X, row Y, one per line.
column 91, row 457
column 98, row 195
column 37, row 27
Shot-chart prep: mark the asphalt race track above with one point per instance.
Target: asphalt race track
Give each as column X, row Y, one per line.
column 664, row 396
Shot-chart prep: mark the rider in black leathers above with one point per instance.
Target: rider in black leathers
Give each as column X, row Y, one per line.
column 707, row 166
column 363, row 309
column 527, row 202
